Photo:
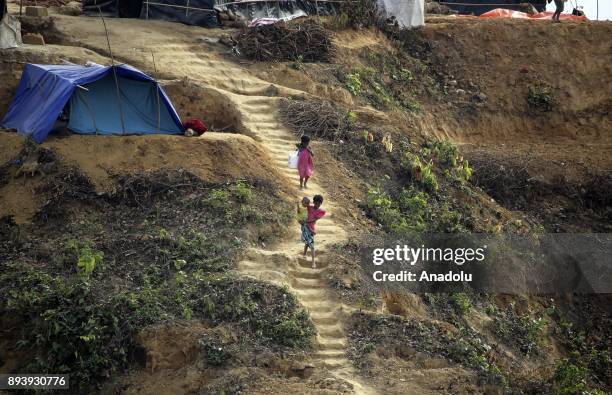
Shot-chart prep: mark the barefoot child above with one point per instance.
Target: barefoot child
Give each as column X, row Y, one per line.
column 314, row 213
column 305, row 161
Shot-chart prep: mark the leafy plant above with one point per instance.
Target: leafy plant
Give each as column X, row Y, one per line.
column 215, row 352
column 351, row 117
column 405, row 216
column 87, row 259
column 353, row 83
column 540, row 98
column 242, row 191
column 462, row 302
column 569, row 379
column 447, row 154
column 217, row 198
column 523, row 331
column 445, row 151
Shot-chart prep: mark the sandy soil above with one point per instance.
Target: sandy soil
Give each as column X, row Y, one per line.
column 215, row 157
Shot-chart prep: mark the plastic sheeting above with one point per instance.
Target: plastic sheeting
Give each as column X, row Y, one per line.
column 478, row 7
column 44, row 91
column 114, row 8
column 190, row 12
column 94, row 7
column 10, row 32
column 408, row 13
column 503, row 13
column 279, row 10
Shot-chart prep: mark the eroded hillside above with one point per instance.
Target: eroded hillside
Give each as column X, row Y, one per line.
column 183, row 256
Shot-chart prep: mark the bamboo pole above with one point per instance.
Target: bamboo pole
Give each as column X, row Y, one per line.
column 110, row 51
column 157, row 93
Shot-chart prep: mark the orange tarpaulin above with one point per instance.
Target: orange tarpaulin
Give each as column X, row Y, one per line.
column 503, row 13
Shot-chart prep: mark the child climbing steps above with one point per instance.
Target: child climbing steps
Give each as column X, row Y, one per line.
column 313, row 214
column 305, row 163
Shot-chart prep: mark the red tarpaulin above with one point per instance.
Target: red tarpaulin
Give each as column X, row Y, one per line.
column 503, row 13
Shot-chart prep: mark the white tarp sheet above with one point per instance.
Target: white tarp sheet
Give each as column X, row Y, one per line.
column 408, row 13
column 10, row 32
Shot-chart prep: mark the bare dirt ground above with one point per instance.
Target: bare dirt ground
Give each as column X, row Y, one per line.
column 103, row 158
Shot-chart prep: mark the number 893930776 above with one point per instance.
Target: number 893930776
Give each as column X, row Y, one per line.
column 34, row 381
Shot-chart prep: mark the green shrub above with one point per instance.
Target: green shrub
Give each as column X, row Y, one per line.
column 404, row 216
column 217, row 198
column 215, row 352
column 569, row 379
column 445, row 151
column 447, row 154
column 295, row 330
column 353, row 83
column 462, row 302
column 242, row 191
column 428, row 178
column 419, row 171
column 540, row 98
column 522, row 331
column 71, row 328
column 87, row 259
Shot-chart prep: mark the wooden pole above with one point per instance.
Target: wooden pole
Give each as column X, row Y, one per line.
column 110, row 51
column 157, row 93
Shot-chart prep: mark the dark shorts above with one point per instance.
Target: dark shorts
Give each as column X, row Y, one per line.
column 560, row 5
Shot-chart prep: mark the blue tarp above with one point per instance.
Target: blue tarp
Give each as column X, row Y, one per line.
column 44, row 91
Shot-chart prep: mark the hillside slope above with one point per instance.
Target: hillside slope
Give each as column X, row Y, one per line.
column 465, row 80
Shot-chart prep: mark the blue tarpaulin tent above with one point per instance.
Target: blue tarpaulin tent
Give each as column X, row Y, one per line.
column 94, row 101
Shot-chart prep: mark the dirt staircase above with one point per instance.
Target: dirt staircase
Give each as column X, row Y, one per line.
column 284, row 264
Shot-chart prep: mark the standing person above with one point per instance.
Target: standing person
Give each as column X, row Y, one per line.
column 314, row 213
column 560, row 4
column 305, row 161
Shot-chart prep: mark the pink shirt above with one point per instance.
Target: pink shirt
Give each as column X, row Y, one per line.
column 314, row 214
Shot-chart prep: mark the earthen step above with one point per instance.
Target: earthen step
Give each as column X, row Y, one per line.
column 323, row 320
column 330, row 354
column 312, row 274
column 331, row 331
column 333, row 362
column 331, row 344
column 311, row 294
column 307, row 283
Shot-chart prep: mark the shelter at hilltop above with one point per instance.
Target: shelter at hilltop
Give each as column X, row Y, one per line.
column 478, row 7
column 408, row 13
column 190, row 12
column 93, row 99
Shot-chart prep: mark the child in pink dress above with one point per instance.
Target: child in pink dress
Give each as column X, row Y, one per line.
column 305, row 161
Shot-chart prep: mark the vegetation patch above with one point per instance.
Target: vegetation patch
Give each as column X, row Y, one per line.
column 388, row 81
column 540, row 98
column 523, row 331
column 390, row 332
column 93, row 270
